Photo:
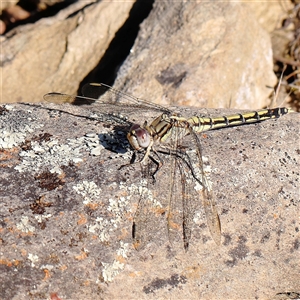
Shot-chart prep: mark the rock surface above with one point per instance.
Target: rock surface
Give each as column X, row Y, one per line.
column 270, row 14
column 210, row 55
column 66, row 211
column 55, row 54
column 207, row 55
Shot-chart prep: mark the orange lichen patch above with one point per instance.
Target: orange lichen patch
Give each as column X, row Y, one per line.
column 62, row 175
column 20, row 233
column 9, row 158
column 159, row 210
column 47, row 274
column 81, row 256
column 137, row 245
column 8, row 263
column 94, row 237
column 82, row 219
column 54, row 296
column 129, row 216
column 135, row 274
column 124, row 234
column 24, row 252
column 204, row 135
column 192, row 272
column 174, row 225
column 93, row 206
column 123, row 193
column 24, row 234
column 87, row 283
column 16, row 262
column 121, row 259
column 4, row 261
column 275, row 216
column 63, row 267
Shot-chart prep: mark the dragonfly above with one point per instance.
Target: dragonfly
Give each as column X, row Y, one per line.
column 168, row 128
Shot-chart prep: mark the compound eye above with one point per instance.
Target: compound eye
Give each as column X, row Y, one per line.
column 138, row 137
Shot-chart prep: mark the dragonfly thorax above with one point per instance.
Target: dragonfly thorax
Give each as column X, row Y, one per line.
column 138, row 137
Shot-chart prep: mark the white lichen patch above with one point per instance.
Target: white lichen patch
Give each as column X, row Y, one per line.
column 41, row 218
column 52, row 154
column 33, row 258
column 199, row 217
column 89, row 190
column 118, row 208
column 9, row 139
column 110, row 270
column 8, row 107
column 103, row 227
column 48, row 267
column 24, row 225
column 124, row 249
column 142, row 191
column 93, row 143
column 13, row 133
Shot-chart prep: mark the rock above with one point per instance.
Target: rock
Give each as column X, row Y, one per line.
column 6, row 4
column 11, row 15
column 270, row 14
column 206, row 55
column 55, row 54
column 67, row 214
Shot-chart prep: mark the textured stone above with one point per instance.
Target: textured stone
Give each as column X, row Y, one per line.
column 203, row 54
column 270, row 14
column 57, row 53
column 210, row 54
column 66, row 215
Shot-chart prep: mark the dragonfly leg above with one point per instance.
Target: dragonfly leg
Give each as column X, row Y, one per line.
column 159, row 162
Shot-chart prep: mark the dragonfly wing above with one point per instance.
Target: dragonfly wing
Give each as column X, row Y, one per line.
column 106, row 99
column 208, row 200
column 212, row 217
column 144, row 224
column 106, row 94
column 187, row 211
column 59, row 98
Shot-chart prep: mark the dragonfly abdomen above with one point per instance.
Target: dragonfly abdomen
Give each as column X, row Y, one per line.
column 201, row 124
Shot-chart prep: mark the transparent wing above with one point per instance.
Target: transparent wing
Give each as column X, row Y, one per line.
column 187, row 212
column 177, row 176
column 106, row 98
column 144, row 224
column 208, row 200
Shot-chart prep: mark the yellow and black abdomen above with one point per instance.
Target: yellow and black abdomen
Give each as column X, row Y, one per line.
column 201, row 124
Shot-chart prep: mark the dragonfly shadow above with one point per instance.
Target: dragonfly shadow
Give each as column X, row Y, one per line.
column 114, row 141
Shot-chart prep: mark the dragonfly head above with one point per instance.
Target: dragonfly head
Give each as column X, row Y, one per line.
column 138, row 137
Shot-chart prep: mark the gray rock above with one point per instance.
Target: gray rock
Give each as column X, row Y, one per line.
column 213, row 54
column 67, row 210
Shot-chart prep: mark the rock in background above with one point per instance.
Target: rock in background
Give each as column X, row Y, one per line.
column 208, row 55
column 57, row 53
column 203, row 54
